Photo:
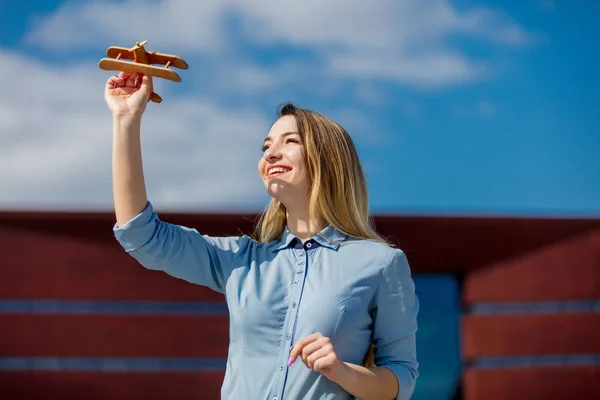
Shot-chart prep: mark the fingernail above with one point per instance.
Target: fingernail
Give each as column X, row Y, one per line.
column 291, row 347
column 290, row 361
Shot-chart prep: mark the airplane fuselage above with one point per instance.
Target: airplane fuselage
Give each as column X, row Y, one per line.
column 140, row 56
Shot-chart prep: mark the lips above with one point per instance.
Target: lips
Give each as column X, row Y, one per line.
column 277, row 170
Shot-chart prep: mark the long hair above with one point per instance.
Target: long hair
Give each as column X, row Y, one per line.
column 338, row 190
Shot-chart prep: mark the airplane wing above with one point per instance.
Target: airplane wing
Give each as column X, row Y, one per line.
column 153, row 57
column 110, row 64
column 161, row 58
column 114, row 51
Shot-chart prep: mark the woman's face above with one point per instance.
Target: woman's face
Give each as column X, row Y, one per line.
column 282, row 167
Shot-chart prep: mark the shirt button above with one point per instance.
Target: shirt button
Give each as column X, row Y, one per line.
column 294, row 305
column 309, row 245
column 275, row 398
column 281, row 367
column 288, row 336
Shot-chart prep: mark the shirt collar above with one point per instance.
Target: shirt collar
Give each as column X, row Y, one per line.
column 324, row 238
column 286, row 239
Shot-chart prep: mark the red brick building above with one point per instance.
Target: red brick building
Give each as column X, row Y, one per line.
column 81, row 319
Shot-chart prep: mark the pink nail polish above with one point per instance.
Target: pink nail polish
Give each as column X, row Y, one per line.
column 290, row 361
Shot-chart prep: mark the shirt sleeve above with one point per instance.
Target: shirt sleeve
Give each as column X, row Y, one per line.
column 395, row 323
column 179, row 251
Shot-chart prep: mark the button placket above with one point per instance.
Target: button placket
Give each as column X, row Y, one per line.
column 295, row 296
column 301, row 267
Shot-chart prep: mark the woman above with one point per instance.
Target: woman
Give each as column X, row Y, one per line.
column 316, row 285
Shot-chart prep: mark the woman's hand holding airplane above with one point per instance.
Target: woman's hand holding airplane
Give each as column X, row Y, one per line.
column 127, row 94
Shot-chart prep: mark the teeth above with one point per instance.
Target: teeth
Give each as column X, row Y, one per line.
column 277, row 170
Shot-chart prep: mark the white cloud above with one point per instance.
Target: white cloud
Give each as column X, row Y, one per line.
column 403, row 41
column 55, row 149
column 55, row 129
column 183, row 25
column 495, row 26
column 427, row 71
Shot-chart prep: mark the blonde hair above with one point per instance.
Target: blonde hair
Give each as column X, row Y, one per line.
column 338, row 190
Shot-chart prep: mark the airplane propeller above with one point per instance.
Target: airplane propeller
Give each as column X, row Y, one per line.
column 138, row 45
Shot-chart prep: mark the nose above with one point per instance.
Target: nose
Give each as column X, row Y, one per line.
column 273, row 152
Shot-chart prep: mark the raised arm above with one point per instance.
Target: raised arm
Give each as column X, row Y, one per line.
column 127, row 96
column 177, row 250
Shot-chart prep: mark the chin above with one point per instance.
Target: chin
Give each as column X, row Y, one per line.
column 275, row 190
column 278, row 190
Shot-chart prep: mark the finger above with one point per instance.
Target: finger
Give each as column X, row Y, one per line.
column 131, row 80
column 297, row 348
column 120, row 77
column 324, row 363
column 115, row 81
column 124, row 75
column 146, row 83
column 141, row 79
column 317, row 355
column 145, row 86
column 315, row 346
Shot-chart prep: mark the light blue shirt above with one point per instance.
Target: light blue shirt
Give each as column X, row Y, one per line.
column 353, row 292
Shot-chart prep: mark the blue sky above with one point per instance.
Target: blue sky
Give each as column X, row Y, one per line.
column 456, row 107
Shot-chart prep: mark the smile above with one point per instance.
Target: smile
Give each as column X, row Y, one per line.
column 277, row 171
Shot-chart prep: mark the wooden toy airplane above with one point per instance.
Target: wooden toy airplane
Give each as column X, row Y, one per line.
column 141, row 63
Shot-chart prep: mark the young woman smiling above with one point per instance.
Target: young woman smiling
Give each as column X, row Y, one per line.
column 316, row 284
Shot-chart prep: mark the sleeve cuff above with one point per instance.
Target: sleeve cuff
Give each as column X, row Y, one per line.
column 406, row 380
column 138, row 230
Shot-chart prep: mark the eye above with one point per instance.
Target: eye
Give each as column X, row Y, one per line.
column 264, row 148
column 292, row 140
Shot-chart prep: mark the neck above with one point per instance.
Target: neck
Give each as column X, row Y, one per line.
column 299, row 223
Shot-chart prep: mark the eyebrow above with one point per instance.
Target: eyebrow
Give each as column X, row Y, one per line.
column 283, row 134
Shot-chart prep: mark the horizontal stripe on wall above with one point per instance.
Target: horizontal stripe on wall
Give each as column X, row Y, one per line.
column 551, row 307
column 165, row 307
column 203, row 364
column 111, row 364
column 112, row 307
column 537, row 361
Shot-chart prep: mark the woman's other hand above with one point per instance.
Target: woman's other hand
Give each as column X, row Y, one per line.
column 318, row 354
